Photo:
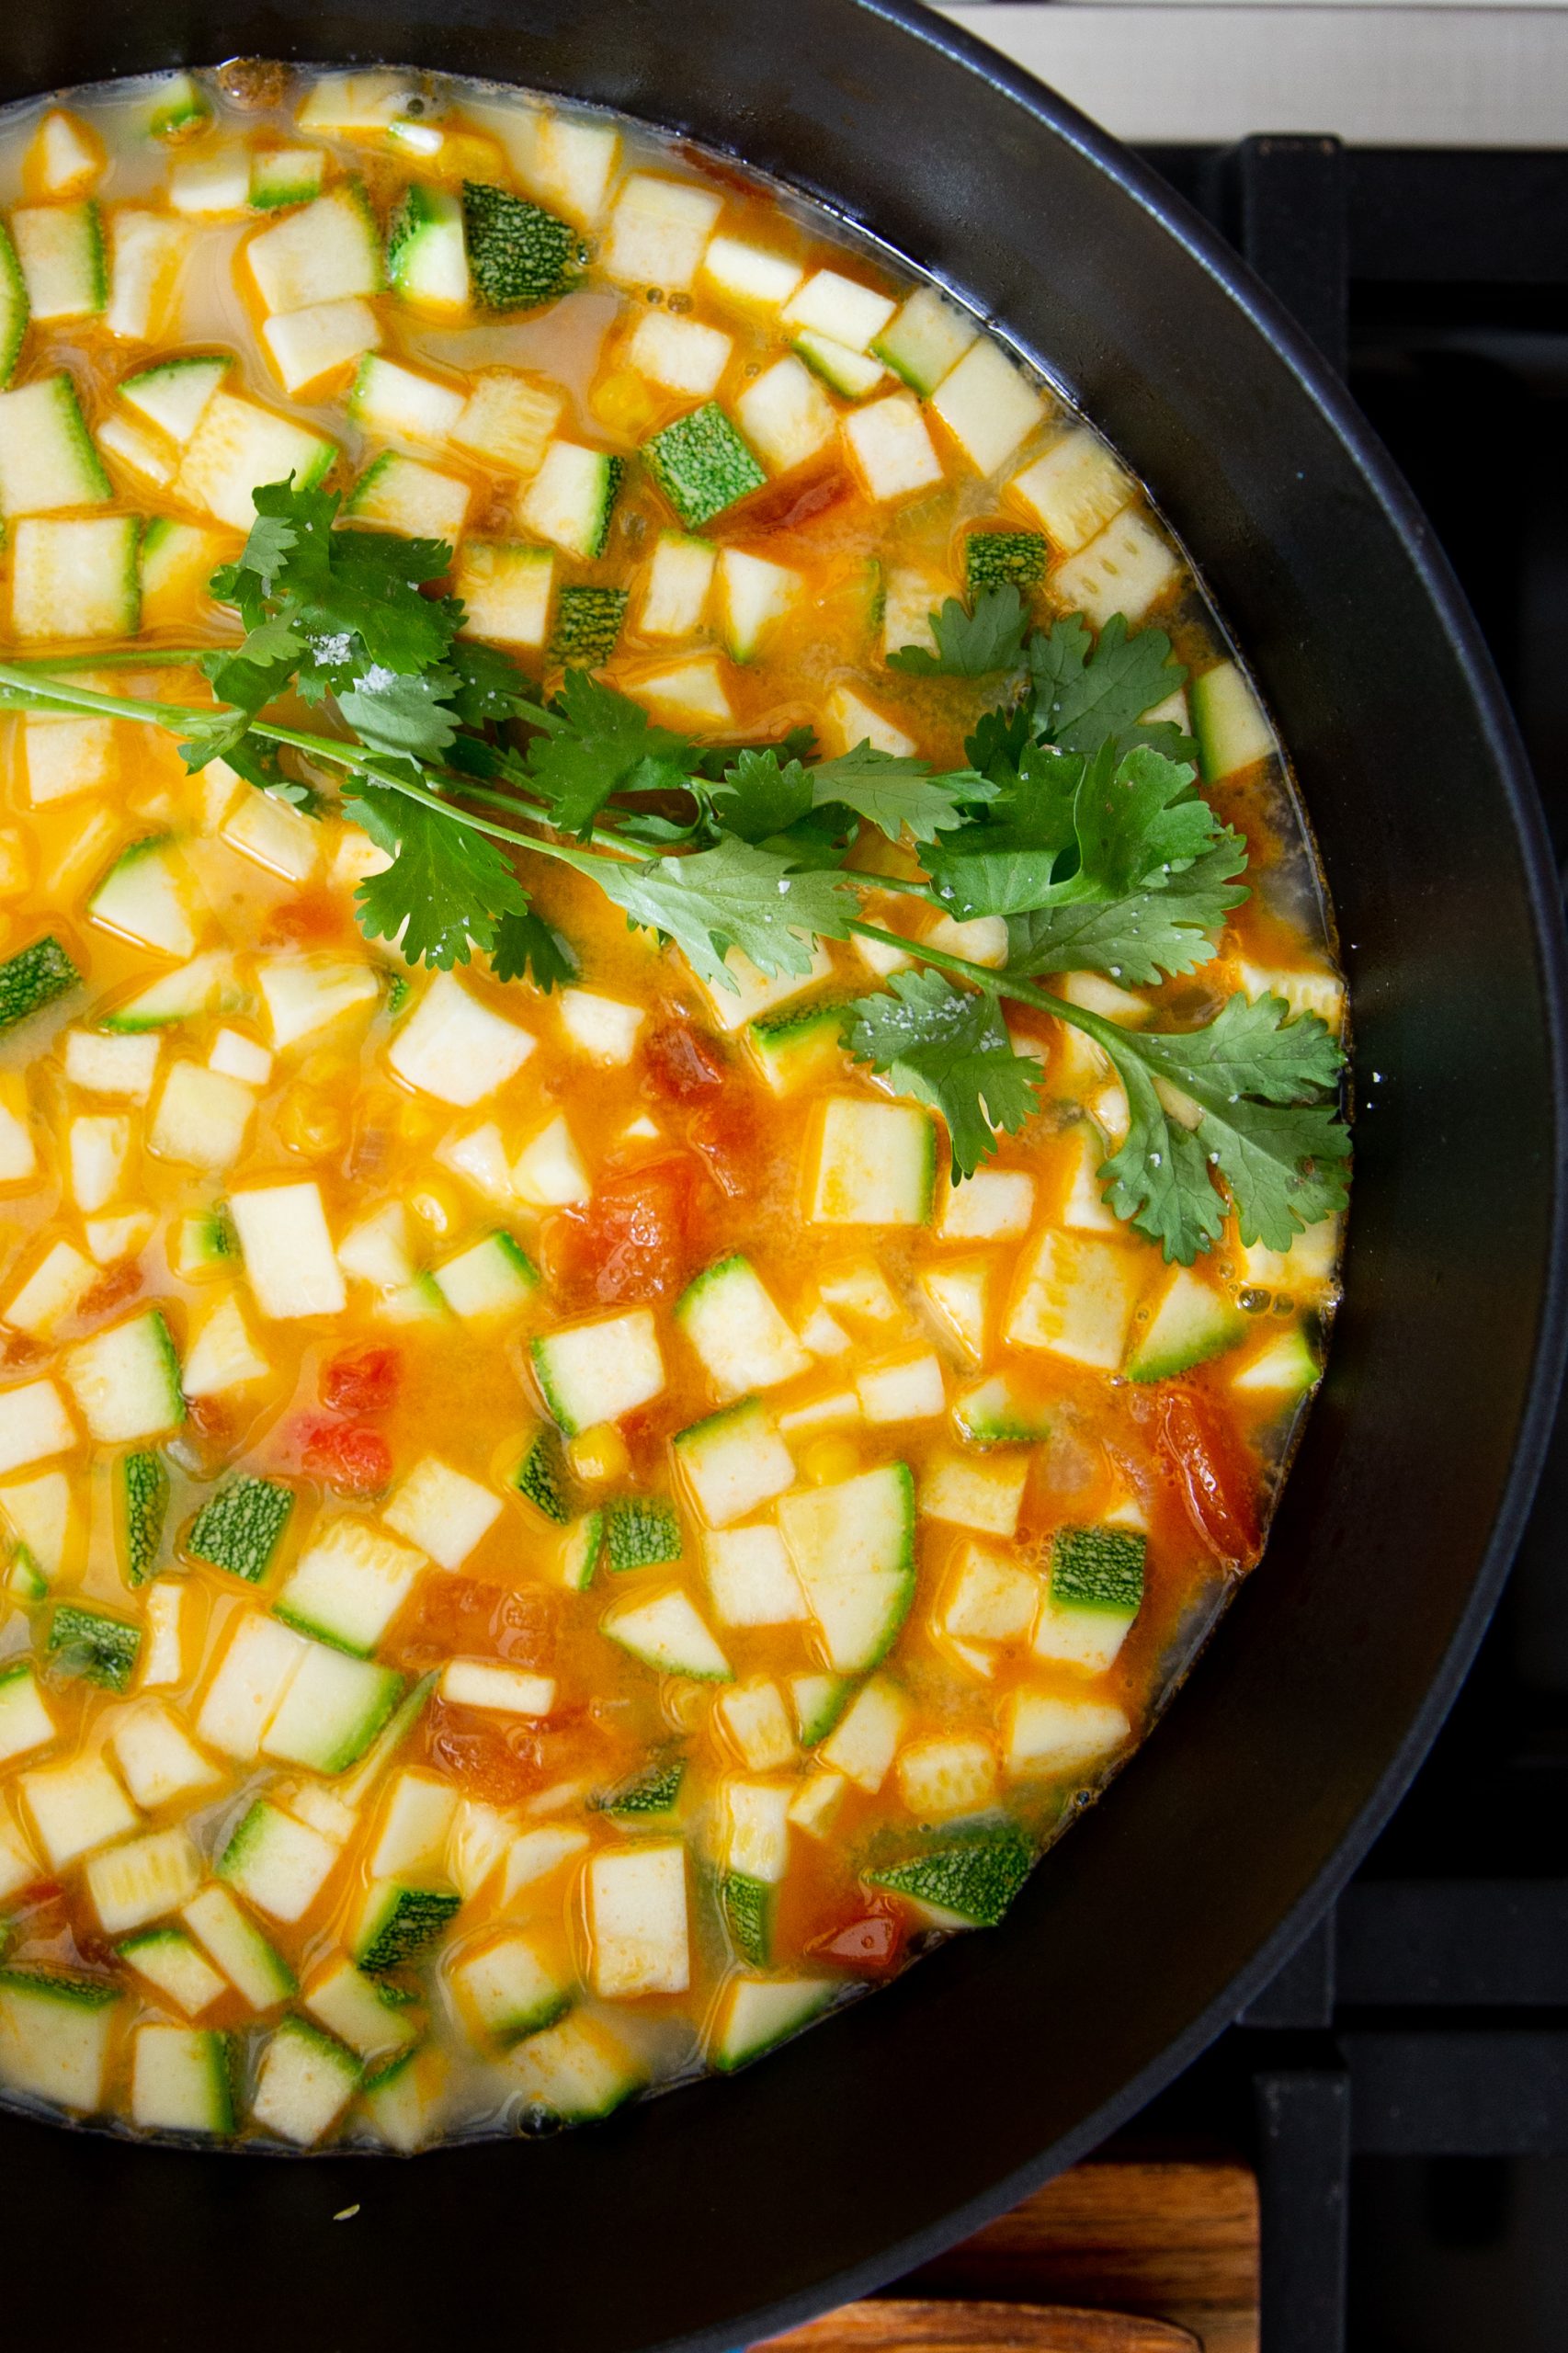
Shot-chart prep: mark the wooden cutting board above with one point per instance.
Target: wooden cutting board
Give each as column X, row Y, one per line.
column 904, row 2325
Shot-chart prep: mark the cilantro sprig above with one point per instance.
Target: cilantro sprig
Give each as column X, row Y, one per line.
column 1077, row 820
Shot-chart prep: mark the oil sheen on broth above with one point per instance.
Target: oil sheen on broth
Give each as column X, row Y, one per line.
column 406, row 1731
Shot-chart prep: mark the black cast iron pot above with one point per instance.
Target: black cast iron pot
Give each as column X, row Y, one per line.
column 712, row 2216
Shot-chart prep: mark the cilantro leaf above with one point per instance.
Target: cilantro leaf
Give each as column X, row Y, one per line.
column 1091, row 692
column 488, row 688
column 407, row 716
column 1135, row 818
column 734, row 895
column 597, row 742
column 526, row 947
column 949, row 1047
column 761, row 796
column 447, row 888
column 1166, row 927
column 970, row 645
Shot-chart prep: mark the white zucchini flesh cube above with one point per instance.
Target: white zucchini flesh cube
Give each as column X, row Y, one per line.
column 205, row 187
column 691, row 691
column 1232, row 725
column 34, row 1424
column 864, row 1742
column 1304, row 992
column 743, row 1342
column 603, row 1027
column 1125, row 569
column 1046, row 1735
column 753, row 594
column 201, row 1118
column 165, row 1617
column 179, row 2080
column 377, row 1250
column 222, row 1355
column 599, row 1371
column 1074, row 489
column 1069, row 1635
column 331, row 1711
column 891, row 450
column 136, row 450
column 415, row 1826
column 509, row 420
column 75, row 578
column 754, row 2013
column 287, row 1250
column 500, row 1690
column 509, row 1989
column 786, row 416
column 927, row 340
column 238, row 1948
column 856, row 722
column 327, row 251
column 399, row 404
column 442, row 1511
column 75, row 1808
column 657, row 231
column 236, row 447
column 66, row 756
column 567, row 164
column 491, row 1279
column 852, row 1544
column 903, row 1389
column 144, row 897
column 147, row 253
column 481, row 1834
column 576, row 2069
column 277, row 1864
column 1283, row 1368
column 1300, row 1272
column 354, row 105
column 637, row 1920
column 26, row 1722
column 749, row 276
column 306, row 2081
column 679, row 353
column 751, row 1580
column 159, row 1762
column 910, row 597
column 504, row 587
column 756, row 1720
column 675, row 590
column 348, row 1584
column 1076, row 1297
column 948, row 1775
column 126, row 1379
column 733, row 1462
column 399, row 493
column 97, row 1150
column 958, row 1297
column 548, row 1171
column 831, row 304
column 143, row 1879
column 18, row 1152
column 167, row 1960
column 305, row 995
column 477, row 1154
column 60, row 250
column 454, row 1048
column 986, row 1497
column 54, row 2042
column 270, row 834
column 251, row 1678
column 359, row 2012
column 112, row 1238
column 536, row 1854
column 755, row 992
column 874, row 1164
column 988, row 405
column 61, row 1277
column 667, row 1635
column 983, row 940
column 240, row 1057
column 39, row 1512
column 987, row 1599
column 67, row 157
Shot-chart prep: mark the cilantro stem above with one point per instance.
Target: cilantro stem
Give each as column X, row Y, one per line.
column 20, row 693
column 997, row 984
column 126, row 657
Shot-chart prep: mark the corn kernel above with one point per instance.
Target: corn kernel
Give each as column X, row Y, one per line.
column 600, row 1454
column 312, row 1124
column 435, row 1207
column 624, row 403
column 14, row 865
column 830, row 1458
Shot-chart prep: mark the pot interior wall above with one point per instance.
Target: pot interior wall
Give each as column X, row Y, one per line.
column 833, row 2165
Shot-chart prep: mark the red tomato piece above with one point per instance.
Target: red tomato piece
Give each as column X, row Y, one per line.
column 726, row 1134
column 122, row 1282
column 789, row 505
column 631, row 1241
column 873, row 1942
column 308, row 916
column 1216, row 1481
column 682, row 1064
column 360, row 1381
column 354, row 1460
column 501, row 1766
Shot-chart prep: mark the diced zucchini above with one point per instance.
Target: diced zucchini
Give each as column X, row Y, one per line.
column 519, row 255
column 349, row 1585
column 490, row 1279
column 453, row 1047
column 34, row 1424
column 126, row 1379
column 637, row 1920
column 25, row 1719
column 398, row 493
column 853, row 1549
column 667, row 1634
column 1076, row 488
column 54, row 2036
column 751, row 1579
column 47, row 458
column 75, row 578
column 587, row 623
column 749, row 276
column 509, row 1989
column 307, row 2079
column 863, row 1743
column 1047, row 1735
column 640, row 1531
column 331, row 1710
column 998, row 1412
column 819, row 1701
column 573, row 2071
column 578, row 1556
column 277, row 1864
column 507, row 420
column 426, row 255
column 238, row 447
column 147, row 252
column 734, row 1462
column 794, row 1050
column 282, row 176
column 325, row 253
column 1232, row 728
column 891, row 450
column 201, row 1118
column 831, row 304
column 1004, row 559
column 1076, row 1297
column 33, row 978
column 176, row 996
column 756, row 2013
column 142, row 896
column 505, row 588
column 853, row 373
column 1125, row 568
column 61, row 250
column 176, row 107
column 926, row 341
column 158, row 1762
column 305, row 346
column 359, row 2012
column 77, row 1807
column 13, row 307
column 541, row 1477
column 599, row 1371
column 679, row 353
column 259, row 1975
column 1194, row 1320
column 675, row 592
column 739, row 1334
column 391, row 400
column 753, row 594
column 746, row 1905
column 143, row 1879
column 66, row 758
column 179, row 2080
column 1285, row 1367
column 173, row 394
column 786, row 414
column 244, row 1694
column 968, row 1880
column 287, row 1249
column 167, row 1960
column 502, row 1691
column 442, row 1511
column 875, row 1163
column 94, row 1645
column 572, row 497
column 702, row 465
column 222, row 1355
column 398, row 1923
column 604, row 1027
column 241, row 1527
column 905, row 1388
column 653, row 1795
column 658, row 230
column 58, row 1283
column 1095, row 1592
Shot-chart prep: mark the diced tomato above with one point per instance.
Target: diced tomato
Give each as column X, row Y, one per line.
column 309, row 915
column 726, row 1134
column 791, row 504
column 632, row 1240
column 354, row 1460
column 463, row 1617
column 681, row 1063
column 360, row 1381
column 211, row 1418
column 500, row 1767
column 122, row 1282
column 1214, row 1477
column 872, row 1941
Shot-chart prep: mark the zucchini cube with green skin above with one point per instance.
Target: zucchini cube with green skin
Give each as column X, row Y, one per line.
column 241, row 1527
column 541, row 1478
column 258, row 1975
column 402, row 2097
column 493, row 1278
column 1096, row 1591
column 819, row 1701
column 1004, row 559
column 33, row 978
column 126, row 1379
column 995, row 1412
column 331, row 1710
column 702, row 465
column 875, row 1163
column 1229, row 722
column 180, row 2080
column 519, row 255
column 427, row 254
column 1285, row 1368
column 349, row 1585
column 967, row 1882
column 795, row 1050
column 54, row 2036
column 599, row 1371
column 172, row 394
column 25, row 1720
column 167, row 1958
column 587, row 624
column 734, row 1462
column 1193, row 1320
column 853, row 1548
column 574, row 2071
column 640, row 1531
column 580, row 1549
column 13, row 307
column 731, row 1322
column 306, row 2081
column 76, row 577
column 277, row 1864
column 650, row 1796
column 93, row 1645
column 285, row 175
column 926, row 341
column 509, row 1990
column 572, row 498
column 756, row 2013
column 142, row 1495
column 61, row 249
column 398, row 1924
column 747, row 1907
column 370, row 2020
column 667, row 1634
column 47, row 457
